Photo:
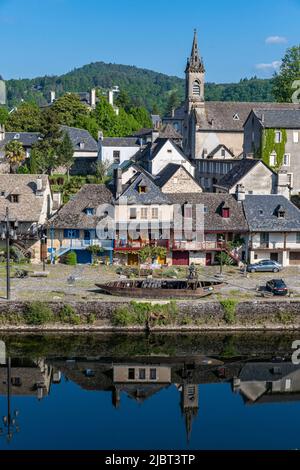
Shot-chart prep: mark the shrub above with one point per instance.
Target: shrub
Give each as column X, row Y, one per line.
column 68, row 315
column 139, row 313
column 70, row 258
column 37, row 313
column 91, row 319
column 229, row 306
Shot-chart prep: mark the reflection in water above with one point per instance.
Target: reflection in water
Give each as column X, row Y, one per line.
column 259, row 380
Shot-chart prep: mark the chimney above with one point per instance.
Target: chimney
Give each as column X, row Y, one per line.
column 154, row 136
column 52, row 96
column 118, row 182
column 93, row 97
column 100, row 136
column 111, row 97
column 2, row 132
column 173, row 112
column 263, row 118
column 240, row 192
column 39, row 186
column 283, row 184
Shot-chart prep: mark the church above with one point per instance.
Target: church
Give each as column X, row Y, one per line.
column 212, row 129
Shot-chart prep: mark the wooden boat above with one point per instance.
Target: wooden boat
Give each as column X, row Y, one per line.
column 160, row 288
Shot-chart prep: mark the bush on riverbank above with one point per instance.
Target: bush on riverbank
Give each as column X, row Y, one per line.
column 139, row 314
column 229, row 307
column 38, row 313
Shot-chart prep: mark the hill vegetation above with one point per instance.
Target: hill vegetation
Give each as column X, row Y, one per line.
column 145, row 88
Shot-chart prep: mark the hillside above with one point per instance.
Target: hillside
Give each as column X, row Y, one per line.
column 144, row 87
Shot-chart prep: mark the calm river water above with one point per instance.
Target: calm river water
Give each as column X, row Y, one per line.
column 189, row 391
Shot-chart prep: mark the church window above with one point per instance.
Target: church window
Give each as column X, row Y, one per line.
column 196, row 88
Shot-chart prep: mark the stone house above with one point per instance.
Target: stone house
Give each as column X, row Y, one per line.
column 223, row 223
column 253, row 175
column 274, row 229
column 85, row 151
column 29, row 201
column 273, row 135
column 74, row 227
column 210, row 171
column 176, row 179
column 157, row 155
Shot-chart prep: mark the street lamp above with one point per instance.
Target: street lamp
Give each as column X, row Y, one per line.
column 8, row 234
column 10, row 420
column 43, row 239
column 221, row 241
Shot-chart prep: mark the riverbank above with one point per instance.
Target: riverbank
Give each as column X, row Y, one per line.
column 218, row 315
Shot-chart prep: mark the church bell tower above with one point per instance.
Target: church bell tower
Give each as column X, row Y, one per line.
column 194, row 95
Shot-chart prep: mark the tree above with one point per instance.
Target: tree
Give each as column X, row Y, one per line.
column 123, row 100
column 3, row 115
column 69, row 110
column 65, row 153
column 289, row 73
column 46, row 150
column 26, row 118
column 89, row 123
column 100, row 169
column 142, row 117
column 106, row 117
column 173, row 101
column 15, row 154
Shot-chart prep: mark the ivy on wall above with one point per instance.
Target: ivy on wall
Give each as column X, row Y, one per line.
column 269, row 146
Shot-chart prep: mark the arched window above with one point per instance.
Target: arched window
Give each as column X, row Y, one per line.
column 196, row 88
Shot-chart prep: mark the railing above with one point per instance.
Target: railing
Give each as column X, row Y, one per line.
column 200, row 246
column 139, row 244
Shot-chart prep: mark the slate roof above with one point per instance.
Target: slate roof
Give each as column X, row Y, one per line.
column 213, row 204
column 121, row 142
column 30, row 205
column 150, row 151
column 81, row 135
column 262, row 214
column 279, row 118
column 219, row 115
column 72, row 214
column 153, row 195
column 26, row 138
column 167, row 172
column 219, row 147
column 239, row 170
column 179, row 114
column 169, row 132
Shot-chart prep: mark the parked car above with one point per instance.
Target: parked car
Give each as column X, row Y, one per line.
column 277, row 287
column 264, row 266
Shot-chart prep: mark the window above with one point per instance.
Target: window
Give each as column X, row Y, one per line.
column 264, row 239
column 278, row 137
column 14, row 198
column 16, row 381
column 296, row 137
column 286, row 159
column 175, row 180
column 81, row 145
column 144, row 213
column 298, row 237
column 281, row 214
column 226, row 213
column 131, row 374
column 169, row 150
column 188, row 212
column 142, row 189
column 132, row 213
column 273, row 159
column 290, row 179
column 116, row 156
column 71, row 233
column 153, row 374
column 223, row 153
column 142, row 374
column 196, row 88
column 90, row 211
column 154, row 212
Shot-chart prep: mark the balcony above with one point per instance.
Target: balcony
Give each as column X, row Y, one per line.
column 126, row 245
column 199, row 246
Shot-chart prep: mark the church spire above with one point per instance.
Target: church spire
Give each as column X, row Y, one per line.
column 195, row 63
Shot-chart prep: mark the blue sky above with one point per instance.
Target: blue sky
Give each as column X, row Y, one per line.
column 237, row 39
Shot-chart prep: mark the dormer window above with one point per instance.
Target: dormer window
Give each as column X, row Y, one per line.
column 142, row 189
column 225, row 212
column 14, row 198
column 281, row 212
column 81, row 145
column 90, row 211
column 16, row 136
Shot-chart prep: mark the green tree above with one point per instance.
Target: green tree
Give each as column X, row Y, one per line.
column 46, row 150
column 173, row 101
column 289, row 73
column 106, row 117
column 3, row 114
column 26, row 118
column 123, row 100
column 142, row 117
column 89, row 123
column 69, row 109
column 15, row 154
column 65, row 153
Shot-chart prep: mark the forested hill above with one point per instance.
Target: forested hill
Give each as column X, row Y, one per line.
column 144, row 87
